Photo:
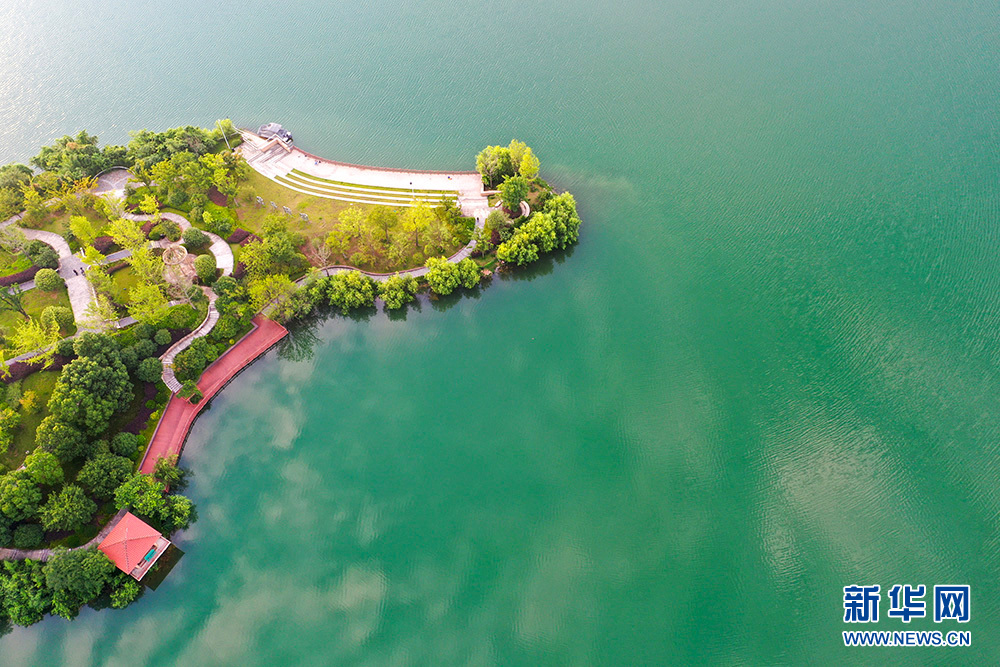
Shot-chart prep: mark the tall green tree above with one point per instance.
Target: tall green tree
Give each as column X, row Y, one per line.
column 513, row 190
column 12, row 300
column 67, row 510
column 19, row 495
column 44, row 468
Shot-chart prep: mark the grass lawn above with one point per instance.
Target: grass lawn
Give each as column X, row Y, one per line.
column 35, row 301
column 322, row 212
column 57, row 222
column 10, row 264
column 42, row 384
column 123, row 280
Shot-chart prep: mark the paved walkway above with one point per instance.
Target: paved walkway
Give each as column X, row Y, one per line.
column 72, row 270
column 45, row 554
column 169, row 379
column 172, row 431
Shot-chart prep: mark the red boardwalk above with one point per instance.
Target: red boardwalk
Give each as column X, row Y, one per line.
column 179, row 415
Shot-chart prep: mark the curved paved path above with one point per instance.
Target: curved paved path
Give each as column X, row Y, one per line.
column 45, row 554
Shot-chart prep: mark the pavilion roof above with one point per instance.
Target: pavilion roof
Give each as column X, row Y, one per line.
column 129, row 542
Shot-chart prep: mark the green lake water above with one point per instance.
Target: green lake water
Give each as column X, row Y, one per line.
column 767, row 371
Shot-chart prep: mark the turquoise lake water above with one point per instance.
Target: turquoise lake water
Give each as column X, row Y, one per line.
column 767, row 371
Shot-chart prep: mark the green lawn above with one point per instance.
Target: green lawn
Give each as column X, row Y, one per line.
column 122, row 281
column 41, row 384
column 11, row 264
column 322, row 212
column 35, row 301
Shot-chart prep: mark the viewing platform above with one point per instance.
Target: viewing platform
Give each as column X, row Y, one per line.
column 309, row 174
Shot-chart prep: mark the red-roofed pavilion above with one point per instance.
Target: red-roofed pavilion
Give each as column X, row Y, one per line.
column 134, row 546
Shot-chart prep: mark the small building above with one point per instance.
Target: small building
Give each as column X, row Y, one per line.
column 274, row 131
column 134, row 546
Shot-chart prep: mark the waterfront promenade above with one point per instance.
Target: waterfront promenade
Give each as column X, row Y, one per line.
column 172, row 431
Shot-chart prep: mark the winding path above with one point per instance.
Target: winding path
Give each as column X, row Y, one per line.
column 45, row 554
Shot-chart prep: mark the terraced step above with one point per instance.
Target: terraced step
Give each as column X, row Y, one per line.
column 341, row 185
column 357, row 197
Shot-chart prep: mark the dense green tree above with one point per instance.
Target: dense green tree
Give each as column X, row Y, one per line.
column 165, row 470
column 28, row 536
column 493, row 163
column 513, row 190
column 19, row 495
column 92, row 387
column 150, row 369
column 44, row 468
column 398, row 291
column 469, row 273
column 9, row 421
column 125, row 593
column 48, row 280
column 78, row 157
column 142, row 494
column 204, row 266
column 5, row 536
column 13, row 177
column 531, row 239
column 161, row 337
column 351, row 289
column 64, row 440
column 42, row 254
column 67, row 510
column 60, row 316
column 147, row 148
column 517, row 150
column 124, row 444
column 103, row 474
column 177, row 513
column 529, row 165
column 444, row 277
column 562, row 209
column 76, row 578
column 23, row 590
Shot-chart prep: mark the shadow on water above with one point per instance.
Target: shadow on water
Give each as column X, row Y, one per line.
column 542, row 267
column 302, row 337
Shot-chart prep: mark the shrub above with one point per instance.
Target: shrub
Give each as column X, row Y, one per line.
column 150, row 369
column 27, row 536
column 124, row 444
column 162, row 337
column 444, row 277
column 204, row 266
column 194, row 238
column 60, row 315
column 48, row 280
column 171, row 230
column 177, row 199
column 195, row 294
column 42, row 255
column 64, row 348
column 157, row 232
column 226, row 327
column 351, row 289
column 143, row 331
column 398, row 290
column 144, row 348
